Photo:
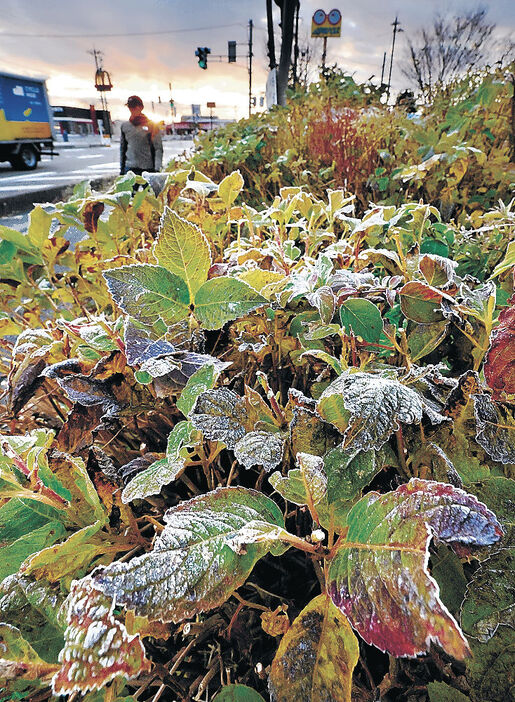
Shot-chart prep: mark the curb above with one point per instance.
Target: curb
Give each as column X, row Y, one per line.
column 14, row 204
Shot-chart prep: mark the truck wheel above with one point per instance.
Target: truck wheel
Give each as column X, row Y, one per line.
column 26, row 159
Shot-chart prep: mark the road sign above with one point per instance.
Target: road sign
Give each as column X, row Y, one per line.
column 271, row 88
column 211, row 104
column 326, row 24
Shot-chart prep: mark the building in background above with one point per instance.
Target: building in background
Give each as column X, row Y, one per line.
column 79, row 124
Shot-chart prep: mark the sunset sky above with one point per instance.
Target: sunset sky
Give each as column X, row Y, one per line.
column 52, row 37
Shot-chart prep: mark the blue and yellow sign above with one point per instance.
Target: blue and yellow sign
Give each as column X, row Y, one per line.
column 326, row 24
column 23, row 109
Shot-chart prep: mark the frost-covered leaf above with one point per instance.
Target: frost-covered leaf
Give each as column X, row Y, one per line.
column 316, row 656
column 18, row 659
column 183, row 249
column 305, row 485
column 495, row 429
column 363, row 318
column 368, row 408
column 421, row 303
column 221, row 300
column 151, row 480
column 258, row 532
column 259, row 448
column 490, row 670
column 500, row 360
column 230, row 187
column 172, row 373
column 97, row 646
column 437, row 270
column 324, row 300
column 140, row 346
column 379, row 576
column 308, row 431
column 490, row 597
column 220, row 414
column 32, row 606
column 149, row 293
column 191, row 568
column 479, row 303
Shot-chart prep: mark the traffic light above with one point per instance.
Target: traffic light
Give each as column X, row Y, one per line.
column 202, row 52
column 231, row 51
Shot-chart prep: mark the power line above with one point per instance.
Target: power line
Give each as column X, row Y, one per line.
column 125, row 34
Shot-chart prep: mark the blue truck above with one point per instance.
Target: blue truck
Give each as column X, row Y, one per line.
column 26, row 126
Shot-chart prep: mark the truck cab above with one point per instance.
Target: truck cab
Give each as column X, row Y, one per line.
column 26, row 127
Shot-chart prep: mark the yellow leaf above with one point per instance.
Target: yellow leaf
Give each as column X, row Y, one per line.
column 316, row 656
column 230, row 187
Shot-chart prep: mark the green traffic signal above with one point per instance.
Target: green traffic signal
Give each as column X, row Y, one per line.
column 202, row 52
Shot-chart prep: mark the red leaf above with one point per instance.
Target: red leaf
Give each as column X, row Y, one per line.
column 500, row 359
column 97, row 646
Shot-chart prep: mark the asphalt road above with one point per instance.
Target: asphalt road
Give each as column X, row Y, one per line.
column 71, row 166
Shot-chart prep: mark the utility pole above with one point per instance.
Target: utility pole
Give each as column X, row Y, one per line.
column 382, row 68
column 296, row 47
column 251, row 27
column 272, row 63
column 395, row 30
column 324, row 54
column 102, row 84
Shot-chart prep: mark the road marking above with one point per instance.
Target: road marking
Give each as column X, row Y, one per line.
column 17, row 187
column 92, row 156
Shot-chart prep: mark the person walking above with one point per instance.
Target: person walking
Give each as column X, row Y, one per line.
column 141, row 147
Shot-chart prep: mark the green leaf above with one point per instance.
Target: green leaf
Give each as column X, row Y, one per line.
column 385, row 557
column 238, row 693
column 421, row 303
column 32, row 606
column 221, row 300
column 447, row 570
column 18, row 659
column 149, row 293
column 13, row 555
column 7, row 251
column 39, row 226
column 54, row 563
column 348, row 472
column 230, row 187
column 316, row 656
column 363, row 318
column 151, row 480
column 203, row 379
column 441, row 692
column 183, row 250
column 176, row 580
column 306, row 485
column 490, row 670
column 22, row 243
column 425, row 338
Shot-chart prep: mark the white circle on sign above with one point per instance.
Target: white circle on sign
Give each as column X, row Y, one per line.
column 334, row 16
column 319, row 17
